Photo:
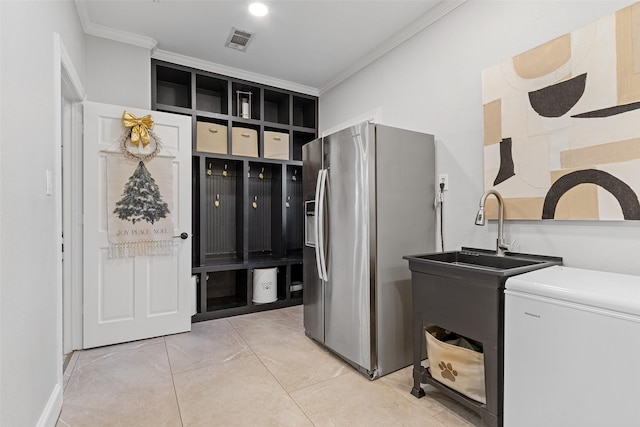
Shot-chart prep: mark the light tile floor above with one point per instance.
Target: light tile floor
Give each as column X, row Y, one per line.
column 253, row 370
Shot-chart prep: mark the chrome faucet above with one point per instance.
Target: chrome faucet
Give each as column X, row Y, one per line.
column 501, row 246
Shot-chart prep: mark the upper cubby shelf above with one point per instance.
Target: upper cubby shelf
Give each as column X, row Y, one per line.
column 276, row 107
column 173, row 87
column 246, row 101
column 185, row 90
column 211, row 94
column 304, row 112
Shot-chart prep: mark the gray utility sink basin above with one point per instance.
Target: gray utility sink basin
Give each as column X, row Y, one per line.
column 481, row 261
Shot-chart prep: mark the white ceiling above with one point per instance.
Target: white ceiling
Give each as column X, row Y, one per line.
column 307, row 45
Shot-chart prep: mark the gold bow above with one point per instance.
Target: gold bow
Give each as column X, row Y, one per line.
column 139, row 128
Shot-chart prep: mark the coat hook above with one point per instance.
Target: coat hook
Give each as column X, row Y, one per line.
column 217, row 202
column 261, row 175
column 255, row 202
column 209, row 170
column 287, row 204
column 294, row 177
column 224, row 172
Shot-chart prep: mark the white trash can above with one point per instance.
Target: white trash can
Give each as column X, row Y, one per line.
column 265, row 285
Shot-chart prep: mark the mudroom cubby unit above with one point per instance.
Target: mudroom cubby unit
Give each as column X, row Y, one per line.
column 211, row 94
column 228, row 290
column 298, row 140
column 293, row 211
column 246, row 100
column 172, row 88
column 265, row 210
column 224, row 289
column 296, row 285
column 246, row 183
column 195, row 209
column 276, row 106
column 223, row 199
column 305, row 112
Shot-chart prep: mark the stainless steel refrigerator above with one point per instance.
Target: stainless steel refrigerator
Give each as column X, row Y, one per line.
column 369, row 199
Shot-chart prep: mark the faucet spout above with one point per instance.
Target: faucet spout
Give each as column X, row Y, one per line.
column 501, row 246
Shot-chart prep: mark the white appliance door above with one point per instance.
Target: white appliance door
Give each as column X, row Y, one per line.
column 135, row 297
column 568, row 364
column 348, row 155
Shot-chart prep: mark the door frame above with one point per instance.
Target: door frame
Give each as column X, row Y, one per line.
column 69, row 95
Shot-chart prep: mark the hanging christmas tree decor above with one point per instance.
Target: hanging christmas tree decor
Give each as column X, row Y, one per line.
column 141, row 199
column 139, row 193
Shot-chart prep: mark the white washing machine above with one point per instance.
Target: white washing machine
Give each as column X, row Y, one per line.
column 572, row 349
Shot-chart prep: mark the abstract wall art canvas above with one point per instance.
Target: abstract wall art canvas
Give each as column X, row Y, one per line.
column 562, row 125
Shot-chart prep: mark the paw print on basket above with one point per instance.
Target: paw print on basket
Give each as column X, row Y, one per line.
column 447, row 371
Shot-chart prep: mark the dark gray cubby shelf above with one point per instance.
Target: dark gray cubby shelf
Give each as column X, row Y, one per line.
column 231, row 235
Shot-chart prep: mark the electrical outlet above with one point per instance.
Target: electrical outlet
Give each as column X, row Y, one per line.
column 444, row 179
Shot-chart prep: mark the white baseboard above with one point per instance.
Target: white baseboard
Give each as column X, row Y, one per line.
column 49, row 416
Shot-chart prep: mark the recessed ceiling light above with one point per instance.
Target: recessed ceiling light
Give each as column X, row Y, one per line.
column 258, row 9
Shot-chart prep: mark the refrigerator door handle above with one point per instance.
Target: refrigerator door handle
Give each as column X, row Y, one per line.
column 315, row 222
column 320, row 250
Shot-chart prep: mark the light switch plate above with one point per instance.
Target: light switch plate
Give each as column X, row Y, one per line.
column 49, row 177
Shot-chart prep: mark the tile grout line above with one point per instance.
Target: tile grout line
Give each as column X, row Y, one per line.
column 211, row 364
column 273, row 376
column 173, row 383
column 295, row 402
column 352, row 370
column 220, row 362
column 279, row 383
column 448, row 416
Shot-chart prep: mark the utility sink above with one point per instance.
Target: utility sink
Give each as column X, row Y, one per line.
column 463, row 291
column 481, row 261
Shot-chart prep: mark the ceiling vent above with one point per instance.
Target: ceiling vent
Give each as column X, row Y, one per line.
column 239, row 39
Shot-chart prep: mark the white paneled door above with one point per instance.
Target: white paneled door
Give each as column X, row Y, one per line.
column 134, row 297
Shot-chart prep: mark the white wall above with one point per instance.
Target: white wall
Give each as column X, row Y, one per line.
column 432, row 83
column 118, row 73
column 29, row 343
column 111, row 72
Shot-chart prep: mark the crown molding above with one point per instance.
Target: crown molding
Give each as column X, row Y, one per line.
column 83, row 14
column 419, row 24
column 121, row 36
column 200, row 64
column 111, row 33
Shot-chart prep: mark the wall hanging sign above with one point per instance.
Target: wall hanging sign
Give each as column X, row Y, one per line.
column 139, row 193
column 562, row 125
